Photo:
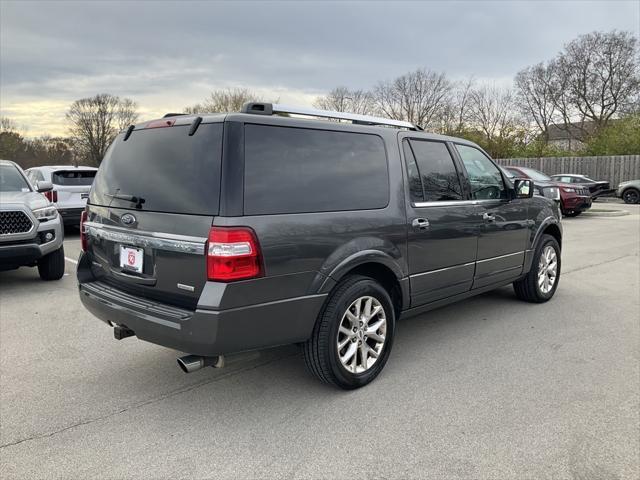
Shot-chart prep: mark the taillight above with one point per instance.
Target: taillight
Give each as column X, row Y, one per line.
column 233, row 253
column 83, row 233
column 51, row 195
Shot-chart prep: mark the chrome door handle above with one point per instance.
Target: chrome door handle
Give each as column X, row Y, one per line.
column 420, row 223
column 488, row 217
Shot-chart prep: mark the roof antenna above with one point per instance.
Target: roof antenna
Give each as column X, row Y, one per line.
column 194, row 125
column 128, row 133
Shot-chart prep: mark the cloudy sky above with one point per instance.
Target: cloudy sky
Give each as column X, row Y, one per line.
column 166, row 55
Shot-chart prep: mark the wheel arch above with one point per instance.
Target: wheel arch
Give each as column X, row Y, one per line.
column 550, row 226
column 626, row 189
column 554, row 230
column 377, row 265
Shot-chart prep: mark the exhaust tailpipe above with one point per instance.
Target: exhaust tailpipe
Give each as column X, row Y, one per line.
column 191, row 363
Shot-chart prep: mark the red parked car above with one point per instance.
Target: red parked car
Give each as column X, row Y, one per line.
column 574, row 199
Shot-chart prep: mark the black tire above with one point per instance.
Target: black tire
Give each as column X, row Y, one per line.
column 572, row 214
column 321, row 353
column 527, row 288
column 631, row 196
column 51, row 266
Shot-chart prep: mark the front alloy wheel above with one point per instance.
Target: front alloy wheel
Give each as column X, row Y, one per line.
column 541, row 283
column 547, row 269
column 362, row 334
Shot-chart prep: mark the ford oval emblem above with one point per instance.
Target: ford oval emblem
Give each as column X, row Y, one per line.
column 128, row 220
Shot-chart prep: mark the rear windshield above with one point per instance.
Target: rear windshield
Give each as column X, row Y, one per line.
column 535, row 175
column 73, row 177
column 163, row 170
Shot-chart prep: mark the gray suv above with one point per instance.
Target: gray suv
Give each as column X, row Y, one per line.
column 31, row 232
column 223, row 233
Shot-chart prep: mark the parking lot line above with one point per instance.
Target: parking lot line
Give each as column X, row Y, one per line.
column 75, row 262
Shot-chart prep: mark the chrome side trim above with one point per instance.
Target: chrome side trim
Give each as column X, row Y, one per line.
column 188, row 288
column 454, row 203
column 447, row 203
column 141, row 238
column 442, row 269
column 501, row 256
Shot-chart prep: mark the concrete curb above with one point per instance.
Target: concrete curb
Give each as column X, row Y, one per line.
column 596, row 212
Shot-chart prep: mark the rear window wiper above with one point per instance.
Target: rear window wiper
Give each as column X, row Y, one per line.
column 128, row 198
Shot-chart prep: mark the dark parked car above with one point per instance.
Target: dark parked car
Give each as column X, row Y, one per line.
column 597, row 188
column 574, row 199
column 221, row 233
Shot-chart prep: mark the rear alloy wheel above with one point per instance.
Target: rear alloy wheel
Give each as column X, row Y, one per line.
column 631, row 196
column 352, row 338
column 540, row 284
column 361, row 335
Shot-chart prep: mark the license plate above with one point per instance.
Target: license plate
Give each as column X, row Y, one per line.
column 131, row 258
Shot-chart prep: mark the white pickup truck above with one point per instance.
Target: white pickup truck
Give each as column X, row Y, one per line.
column 71, row 187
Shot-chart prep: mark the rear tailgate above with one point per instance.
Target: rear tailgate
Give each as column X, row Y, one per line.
column 151, row 209
column 72, row 187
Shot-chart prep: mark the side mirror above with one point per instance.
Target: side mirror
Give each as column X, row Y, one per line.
column 42, row 187
column 523, row 188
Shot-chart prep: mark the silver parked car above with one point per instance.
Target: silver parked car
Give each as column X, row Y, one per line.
column 31, row 232
column 71, row 187
column 629, row 191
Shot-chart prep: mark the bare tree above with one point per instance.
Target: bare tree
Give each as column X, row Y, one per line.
column 492, row 110
column 597, row 76
column 536, row 96
column 341, row 99
column 7, row 125
column 494, row 117
column 225, row 100
column 419, row 97
column 455, row 115
column 96, row 121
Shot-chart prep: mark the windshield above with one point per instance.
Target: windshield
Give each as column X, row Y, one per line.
column 535, row 175
column 162, row 170
column 508, row 172
column 11, row 180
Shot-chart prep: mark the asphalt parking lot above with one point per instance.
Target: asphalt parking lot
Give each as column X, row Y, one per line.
column 487, row 388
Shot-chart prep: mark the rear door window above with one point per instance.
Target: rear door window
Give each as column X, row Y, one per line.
column 73, row 177
column 295, row 170
column 165, row 169
column 435, row 170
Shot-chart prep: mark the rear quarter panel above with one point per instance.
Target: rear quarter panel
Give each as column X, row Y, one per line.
column 306, row 253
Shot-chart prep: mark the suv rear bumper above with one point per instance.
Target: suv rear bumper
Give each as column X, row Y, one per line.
column 204, row 332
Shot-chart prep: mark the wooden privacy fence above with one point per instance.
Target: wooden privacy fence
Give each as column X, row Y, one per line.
column 614, row 168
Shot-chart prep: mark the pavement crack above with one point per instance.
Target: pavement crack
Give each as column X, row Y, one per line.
column 591, row 265
column 151, row 401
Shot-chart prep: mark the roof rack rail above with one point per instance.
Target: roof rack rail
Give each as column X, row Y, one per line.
column 166, row 115
column 260, row 108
